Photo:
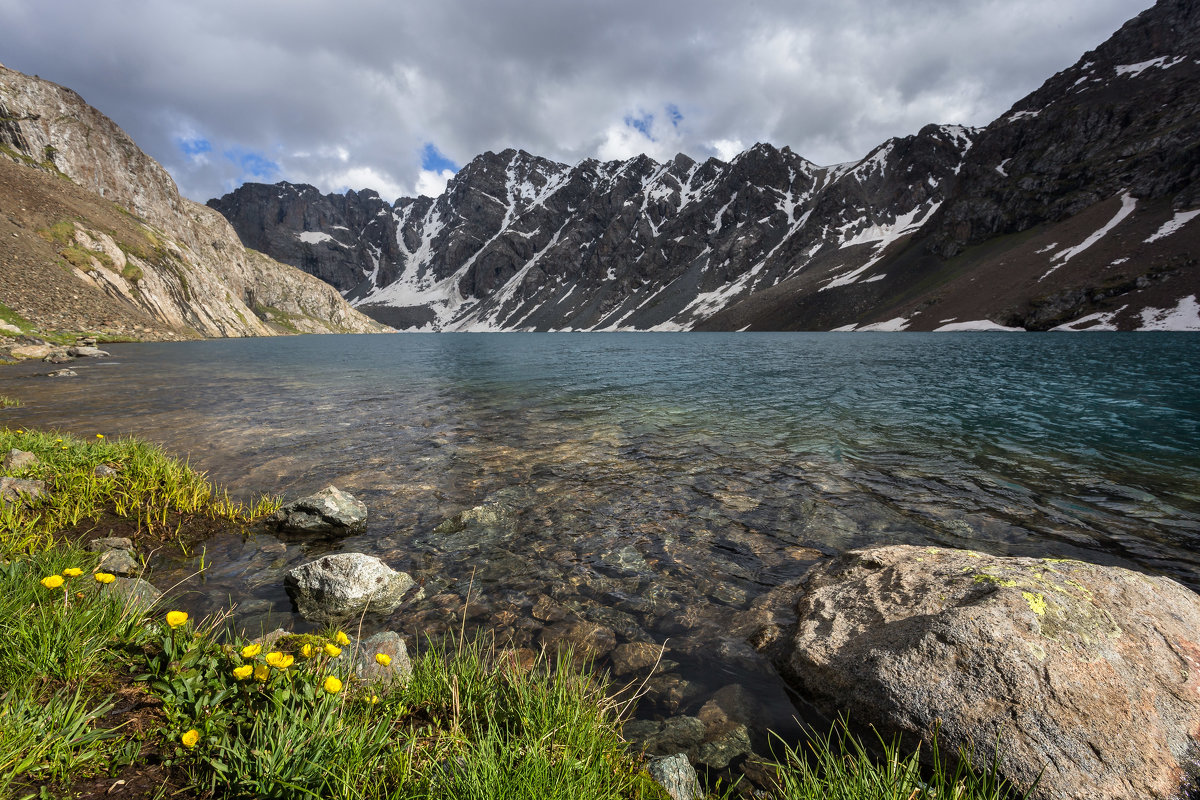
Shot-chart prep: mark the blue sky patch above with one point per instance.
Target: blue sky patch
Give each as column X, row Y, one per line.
column 254, row 166
column 194, row 147
column 434, row 160
column 674, row 115
column 642, row 124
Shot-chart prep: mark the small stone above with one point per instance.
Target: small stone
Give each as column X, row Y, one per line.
column 343, row 585
column 677, row 775
column 104, row 471
column 587, row 638
column 17, row 460
column 329, row 511
column 389, row 643
column 721, row 747
column 109, row 543
column 546, row 610
column 135, row 590
column 268, row 640
column 119, row 562
column 12, row 489
column 62, row 373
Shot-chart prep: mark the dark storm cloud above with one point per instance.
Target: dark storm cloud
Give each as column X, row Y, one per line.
column 358, row 94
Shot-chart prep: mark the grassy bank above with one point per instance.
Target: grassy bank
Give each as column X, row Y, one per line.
column 100, row 696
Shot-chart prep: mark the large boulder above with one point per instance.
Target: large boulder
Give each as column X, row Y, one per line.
column 337, row 587
column 1084, row 674
column 329, row 511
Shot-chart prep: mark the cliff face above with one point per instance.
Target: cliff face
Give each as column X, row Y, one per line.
column 1075, row 208
column 175, row 262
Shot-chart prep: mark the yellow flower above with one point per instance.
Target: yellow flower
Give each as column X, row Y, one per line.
column 99, row 435
column 52, row 581
column 279, row 660
column 332, row 651
column 243, row 672
column 251, row 650
column 176, row 618
column 332, row 685
column 341, row 638
column 308, row 651
column 190, row 738
column 373, row 699
column 104, row 577
column 262, row 672
column 72, row 572
column 383, row 659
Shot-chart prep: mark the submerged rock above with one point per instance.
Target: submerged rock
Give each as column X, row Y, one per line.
column 329, row 511
column 135, row 591
column 344, row 585
column 1086, row 675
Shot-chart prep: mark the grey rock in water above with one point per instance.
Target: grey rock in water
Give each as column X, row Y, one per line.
column 62, row 373
column 336, row 587
column 87, row 352
column 329, row 511
column 12, row 490
column 665, row 737
column 16, row 460
column 677, row 775
column 1086, row 675
column 387, row 643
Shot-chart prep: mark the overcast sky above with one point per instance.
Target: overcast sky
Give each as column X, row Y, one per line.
column 394, row 95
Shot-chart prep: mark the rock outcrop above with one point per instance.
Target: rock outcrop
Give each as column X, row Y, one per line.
column 176, row 262
column 1088, row 676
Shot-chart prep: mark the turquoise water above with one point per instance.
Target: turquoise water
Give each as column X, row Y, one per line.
column 667, row 487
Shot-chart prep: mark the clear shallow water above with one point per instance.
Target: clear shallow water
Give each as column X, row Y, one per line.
column 664, row 486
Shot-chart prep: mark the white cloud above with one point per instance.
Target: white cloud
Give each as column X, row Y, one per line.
column 726, row 149
column 432, row 184
column 354, row 92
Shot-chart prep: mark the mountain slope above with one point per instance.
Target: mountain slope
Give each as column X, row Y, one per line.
column 1076, row 207
column 99, row 226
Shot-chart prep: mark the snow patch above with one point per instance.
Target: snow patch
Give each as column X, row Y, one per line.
column 1000, row 167
column 1022, row 115
column 1180, row 219
column 1103, row 321
column 1128, row 203
column 976, row 325
column 1183, row 317
column 314, row 237
column 1162, row 62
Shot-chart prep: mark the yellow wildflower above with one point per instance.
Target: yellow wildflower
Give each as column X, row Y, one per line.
column 341, row 638
column 72, row 572
column 332, row 651
column 99, row 435
column 176, row 618
column 383, row 659
column 52, row 581
column 243, row 672
column 190, row 738
column 251, row 650
column 308, row 651
column 104, row 577
column 279, row 660
column 373, row 699
column 332, row 685
column 262, row 672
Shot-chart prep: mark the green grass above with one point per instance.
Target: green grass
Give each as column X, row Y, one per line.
column 9, row 402
column 838, row 766
column 150, row 488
